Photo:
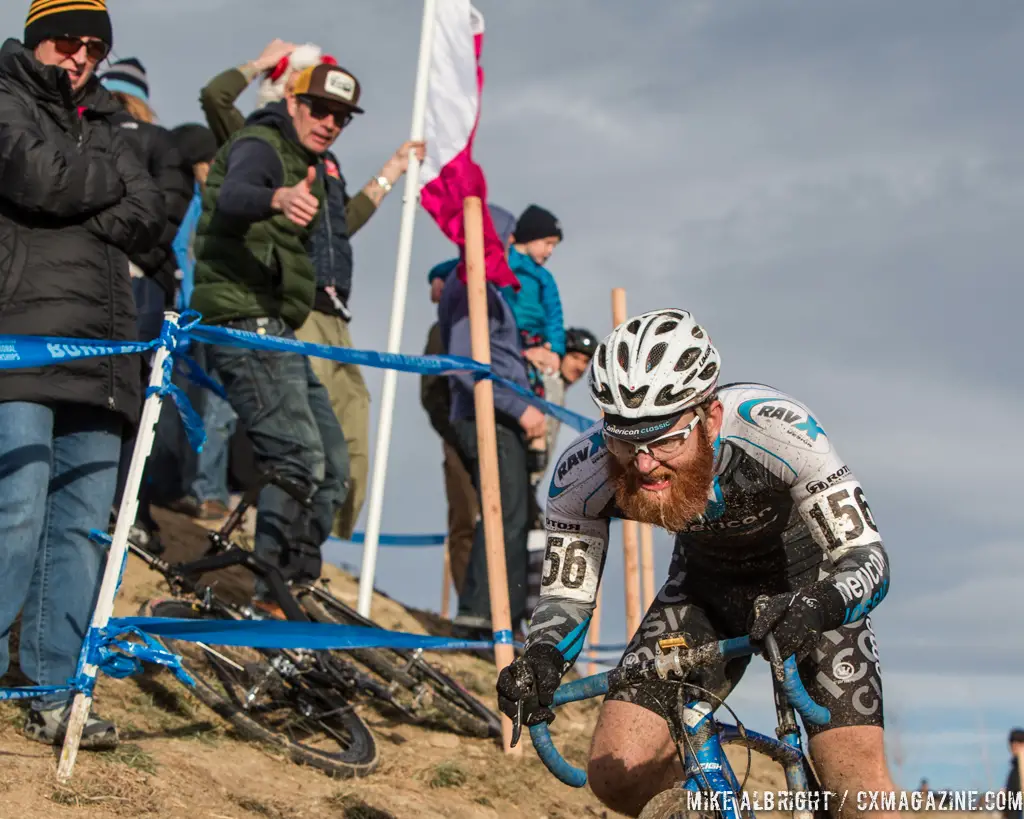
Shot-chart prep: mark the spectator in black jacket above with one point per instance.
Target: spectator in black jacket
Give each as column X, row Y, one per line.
column 75, row 203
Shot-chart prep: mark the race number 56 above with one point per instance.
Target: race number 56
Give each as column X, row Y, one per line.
column 572, row 566
column 844, row 517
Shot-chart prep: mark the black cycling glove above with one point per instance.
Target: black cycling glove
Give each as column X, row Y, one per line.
column 531, row 679
column 796, row 619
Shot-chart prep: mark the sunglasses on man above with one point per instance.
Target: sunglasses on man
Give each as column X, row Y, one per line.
column 95, row 50
column 321, row 110
column 662, row 449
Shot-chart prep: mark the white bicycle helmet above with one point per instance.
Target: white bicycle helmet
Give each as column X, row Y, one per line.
column 650, row 370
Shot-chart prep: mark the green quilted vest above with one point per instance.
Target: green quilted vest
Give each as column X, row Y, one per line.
column 254, row 269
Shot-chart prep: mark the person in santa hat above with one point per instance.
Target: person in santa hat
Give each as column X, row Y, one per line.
column 279, row 66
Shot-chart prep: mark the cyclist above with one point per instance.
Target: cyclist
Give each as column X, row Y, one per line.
column 761, row 504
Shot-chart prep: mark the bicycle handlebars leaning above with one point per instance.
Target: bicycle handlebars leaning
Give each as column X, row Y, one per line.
column 673, row 664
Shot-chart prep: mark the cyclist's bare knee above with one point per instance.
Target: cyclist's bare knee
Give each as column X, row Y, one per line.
column 632, row 757
column 852, row 759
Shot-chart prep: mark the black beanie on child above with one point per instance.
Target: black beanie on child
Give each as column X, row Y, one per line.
column 536, row 223
column 195, row 143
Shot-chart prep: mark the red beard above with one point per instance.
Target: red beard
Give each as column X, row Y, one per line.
column 687, row 495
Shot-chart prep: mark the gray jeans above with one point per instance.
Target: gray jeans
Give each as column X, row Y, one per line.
column 287, row 415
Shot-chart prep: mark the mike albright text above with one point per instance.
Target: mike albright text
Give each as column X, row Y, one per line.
column 866, row 801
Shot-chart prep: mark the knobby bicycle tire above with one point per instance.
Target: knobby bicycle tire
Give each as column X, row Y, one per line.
column 416, row 676
column 340, row 724
column 672, row 804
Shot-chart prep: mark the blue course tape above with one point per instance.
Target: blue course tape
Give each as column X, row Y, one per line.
column 286, row 634
column 504, row 638
column 38, row 351
column 396, row 540
column 115, row 656
column 609, row 647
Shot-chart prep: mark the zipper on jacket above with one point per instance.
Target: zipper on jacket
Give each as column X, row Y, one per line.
column 327, row 225
column 111, row 403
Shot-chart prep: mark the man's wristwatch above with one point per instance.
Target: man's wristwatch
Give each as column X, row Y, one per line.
column 384, row 184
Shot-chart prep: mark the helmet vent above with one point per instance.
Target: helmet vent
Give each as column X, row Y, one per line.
column 709, row 371
column 667, row 398
column 602, row 356
column 633, row 327
column 687, row 359
column 655, row 356
column 666, row 327
column 622, row 354
column 697, row 331
column 604, row 395
column 633, row 399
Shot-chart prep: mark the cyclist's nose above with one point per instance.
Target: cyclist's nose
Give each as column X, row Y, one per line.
column 645, row 463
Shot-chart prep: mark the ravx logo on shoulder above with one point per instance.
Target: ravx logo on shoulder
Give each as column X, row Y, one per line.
column 782, row 410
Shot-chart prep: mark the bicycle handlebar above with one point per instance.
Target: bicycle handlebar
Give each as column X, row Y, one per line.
column 599, row 684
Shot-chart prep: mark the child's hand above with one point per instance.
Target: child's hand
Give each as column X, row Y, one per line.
column 543, row 359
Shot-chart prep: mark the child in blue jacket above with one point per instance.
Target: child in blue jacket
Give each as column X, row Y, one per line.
column 537, row 306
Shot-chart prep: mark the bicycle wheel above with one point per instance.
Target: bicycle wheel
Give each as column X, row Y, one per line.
column 672, row 804
column 265, row 696
column 430, row 687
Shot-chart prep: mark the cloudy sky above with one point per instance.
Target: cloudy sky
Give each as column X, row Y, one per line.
column 833, row 189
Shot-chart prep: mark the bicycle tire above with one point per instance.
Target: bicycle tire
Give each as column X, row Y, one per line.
column 413, row 674
column 672, row 804
column 358, row 756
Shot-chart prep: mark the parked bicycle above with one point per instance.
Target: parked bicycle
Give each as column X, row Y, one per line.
column 710, row 787
column 299, row 699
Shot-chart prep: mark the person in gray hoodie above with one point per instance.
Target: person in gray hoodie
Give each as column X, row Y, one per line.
column 517, row 423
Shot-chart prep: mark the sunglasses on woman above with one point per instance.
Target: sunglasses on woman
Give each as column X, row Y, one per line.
column 662, row 449
column 95, row 50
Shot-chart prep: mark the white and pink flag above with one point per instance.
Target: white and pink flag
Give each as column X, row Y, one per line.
column 449, row 174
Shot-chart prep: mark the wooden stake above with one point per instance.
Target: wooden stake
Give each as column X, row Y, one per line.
column 446, row 583
column 647, row 563
column 629, row 527
column 486, row 438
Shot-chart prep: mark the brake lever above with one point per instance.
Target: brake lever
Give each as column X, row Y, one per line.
column 517, row 723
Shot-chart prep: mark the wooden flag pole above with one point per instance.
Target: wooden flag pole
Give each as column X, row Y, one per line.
column 629, row 527
column 486, row 438
column 647, row 563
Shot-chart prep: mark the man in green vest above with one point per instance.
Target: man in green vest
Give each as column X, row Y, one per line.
column 253, row 272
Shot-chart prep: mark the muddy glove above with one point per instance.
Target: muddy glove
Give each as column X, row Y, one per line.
column 796, row 619
column 531, row 680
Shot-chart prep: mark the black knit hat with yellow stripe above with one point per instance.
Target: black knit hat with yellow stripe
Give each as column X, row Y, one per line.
column 67, row 18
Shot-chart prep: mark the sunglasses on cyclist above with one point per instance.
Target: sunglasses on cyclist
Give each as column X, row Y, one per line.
column 95, row 50
column 664, row 448
column 321, row 110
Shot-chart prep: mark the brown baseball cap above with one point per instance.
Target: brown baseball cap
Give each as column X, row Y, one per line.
column 329, row 82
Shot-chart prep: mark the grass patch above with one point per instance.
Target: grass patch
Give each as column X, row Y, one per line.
column 483, row 800
column 353, row 807
column 119, row 791
column 133, row 757
column 447, row 775
column 266, row 809
column 12, row 714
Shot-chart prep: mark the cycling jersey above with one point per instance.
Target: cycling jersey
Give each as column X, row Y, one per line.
column 784, row 511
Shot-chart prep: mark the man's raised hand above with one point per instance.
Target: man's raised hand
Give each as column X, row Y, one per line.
column 298, row 203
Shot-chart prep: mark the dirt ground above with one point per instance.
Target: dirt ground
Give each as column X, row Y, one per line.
column 178, row 759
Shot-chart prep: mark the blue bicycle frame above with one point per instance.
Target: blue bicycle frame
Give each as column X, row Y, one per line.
column 706, row 768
